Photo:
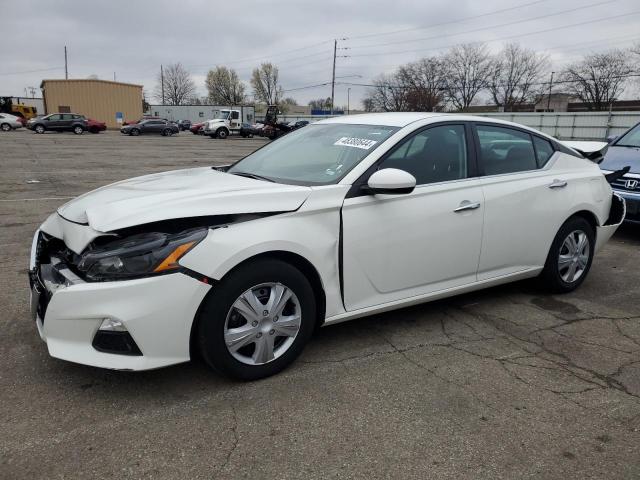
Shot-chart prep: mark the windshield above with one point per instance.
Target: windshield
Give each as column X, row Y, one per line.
column 630, row 139
column 223, row 115
column 314, row 155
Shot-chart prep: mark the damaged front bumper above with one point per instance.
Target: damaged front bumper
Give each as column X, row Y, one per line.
column 127, row 325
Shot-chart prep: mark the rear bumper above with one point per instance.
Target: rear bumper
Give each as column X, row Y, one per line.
column 617, row 214
column 632, row 200
column 157, row 312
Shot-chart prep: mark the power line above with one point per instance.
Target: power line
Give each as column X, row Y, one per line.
column 480, row 29
column 426, row 27
column 508, row 37
column 33, row 71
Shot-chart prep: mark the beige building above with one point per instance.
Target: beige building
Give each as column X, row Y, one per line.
column 100, row 100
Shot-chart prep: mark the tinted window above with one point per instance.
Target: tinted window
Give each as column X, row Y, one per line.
column 54, row 117
column 544, row 150
column 505, row 150
column 434, row 155
column 67, row 117
column 235, row 115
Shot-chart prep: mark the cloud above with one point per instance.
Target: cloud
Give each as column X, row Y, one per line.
column 132, row 39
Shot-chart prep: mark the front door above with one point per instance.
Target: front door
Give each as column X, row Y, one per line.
column 400, row 246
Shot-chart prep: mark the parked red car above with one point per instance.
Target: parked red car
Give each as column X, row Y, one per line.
column 94, row 126
column 196, row 128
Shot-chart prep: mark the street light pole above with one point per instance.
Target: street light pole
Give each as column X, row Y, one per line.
column 550, row 86
column 333, row 77
column 348, row 96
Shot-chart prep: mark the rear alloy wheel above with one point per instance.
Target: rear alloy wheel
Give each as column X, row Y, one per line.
column 167, row 132
column 570, row 257
column 222, row 133
column 39, row 129
column 5, row 127
column 256, row 321
column 134, row 132
column 78, row 130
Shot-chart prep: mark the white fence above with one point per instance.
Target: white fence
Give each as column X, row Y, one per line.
column 573, row 126
column 561, row 125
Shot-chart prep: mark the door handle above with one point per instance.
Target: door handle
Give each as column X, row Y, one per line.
column 467, row 205
column 557, row 184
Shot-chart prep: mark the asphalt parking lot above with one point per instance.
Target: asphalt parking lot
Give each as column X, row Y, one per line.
column 507, row 383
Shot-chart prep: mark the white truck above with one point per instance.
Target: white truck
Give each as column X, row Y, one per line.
column 223, row 124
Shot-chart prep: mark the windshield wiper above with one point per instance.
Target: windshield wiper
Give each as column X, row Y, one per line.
column 252, row 175
column 626, row 146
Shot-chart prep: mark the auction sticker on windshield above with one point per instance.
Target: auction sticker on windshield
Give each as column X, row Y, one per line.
column 363, row 143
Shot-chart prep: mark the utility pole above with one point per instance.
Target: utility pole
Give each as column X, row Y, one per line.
column 162, row 82
column 348, row 96
column 550, row 86
column 333, row 77
column 66, row 71
column 114, row 76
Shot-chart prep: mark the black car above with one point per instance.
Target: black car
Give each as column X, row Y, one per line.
column 162, row 127
column 247, row 130
column 59, row 122
column 625, row 151
column 298, row 124
column 184, row 125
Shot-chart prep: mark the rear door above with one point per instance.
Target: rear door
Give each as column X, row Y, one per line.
column 66, row 122
column 525, row 199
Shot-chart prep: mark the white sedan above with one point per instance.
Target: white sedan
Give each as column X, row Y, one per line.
column 345, row 218
column 9, row 122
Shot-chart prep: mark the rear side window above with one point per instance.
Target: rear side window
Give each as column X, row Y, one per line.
column 544, row 150
column 505, row 150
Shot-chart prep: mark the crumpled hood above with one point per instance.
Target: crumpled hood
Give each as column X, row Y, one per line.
column 179, row 194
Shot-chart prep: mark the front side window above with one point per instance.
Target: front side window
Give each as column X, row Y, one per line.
column 505, row 150
column 437, row 154
column 54, row 117
column 315, row 155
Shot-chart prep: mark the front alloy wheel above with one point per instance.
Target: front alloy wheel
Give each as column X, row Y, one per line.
column 256, row 320
column 39, row 129
column 5, row 127
column 262, row 323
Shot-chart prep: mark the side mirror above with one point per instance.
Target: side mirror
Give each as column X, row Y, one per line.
column 612, row 138
column 391, row 181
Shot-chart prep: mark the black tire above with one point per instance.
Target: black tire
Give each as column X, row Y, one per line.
column 78, row 130
column 5, row 127
column 217, row 305
column 552, row 276
column 167, row 132
column 134, row 132
column 39, row 129
column 222, row 133
column 94, row 130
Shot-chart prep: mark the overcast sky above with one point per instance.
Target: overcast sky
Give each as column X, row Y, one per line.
column 132, row 38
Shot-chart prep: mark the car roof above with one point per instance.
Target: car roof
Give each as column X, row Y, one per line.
column 402, row 119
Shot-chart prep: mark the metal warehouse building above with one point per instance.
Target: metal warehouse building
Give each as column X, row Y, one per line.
column 101, row 100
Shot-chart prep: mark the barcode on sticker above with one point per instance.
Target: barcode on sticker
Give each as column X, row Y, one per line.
column 363, row 143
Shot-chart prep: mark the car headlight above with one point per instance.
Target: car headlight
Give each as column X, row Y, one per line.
column 139, row 255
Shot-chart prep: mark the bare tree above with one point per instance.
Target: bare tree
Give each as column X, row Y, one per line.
column 469, row 66
column 388, row 94
column 516, row 76
column 320, row 104
column 367, row 105
column 264, row 81
column 224, row 87
column 423, row 83
column 178, row 85
column 285, row 104
column 599, row 78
